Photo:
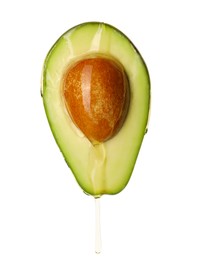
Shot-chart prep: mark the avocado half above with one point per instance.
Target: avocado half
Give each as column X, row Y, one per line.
column 105, row 167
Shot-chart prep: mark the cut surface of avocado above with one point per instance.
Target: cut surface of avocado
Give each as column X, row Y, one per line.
column 101, row 159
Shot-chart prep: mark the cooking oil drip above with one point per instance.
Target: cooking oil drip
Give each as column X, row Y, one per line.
column 96, row 167
column 98, row 242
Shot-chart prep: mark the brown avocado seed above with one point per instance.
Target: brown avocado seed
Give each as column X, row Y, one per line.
column 96, row 95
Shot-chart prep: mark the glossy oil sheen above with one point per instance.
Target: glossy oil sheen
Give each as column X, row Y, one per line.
column 96, row 94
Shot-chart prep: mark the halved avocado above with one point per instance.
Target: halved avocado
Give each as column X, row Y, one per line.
column 103, row 166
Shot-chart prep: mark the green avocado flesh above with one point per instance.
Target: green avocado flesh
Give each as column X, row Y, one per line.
column 104, row 167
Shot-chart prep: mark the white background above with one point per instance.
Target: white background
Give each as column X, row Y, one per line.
column 43, row 212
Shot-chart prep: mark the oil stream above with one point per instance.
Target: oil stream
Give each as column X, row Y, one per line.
column 98, row 243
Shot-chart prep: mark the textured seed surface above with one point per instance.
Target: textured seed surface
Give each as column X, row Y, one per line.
column 96, row 96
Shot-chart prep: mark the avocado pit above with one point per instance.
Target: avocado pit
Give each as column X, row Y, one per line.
column 96, row 95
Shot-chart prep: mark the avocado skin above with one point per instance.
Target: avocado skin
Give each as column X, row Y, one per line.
column 105, row 168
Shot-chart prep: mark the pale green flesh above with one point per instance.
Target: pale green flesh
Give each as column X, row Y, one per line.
column 105, row 168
